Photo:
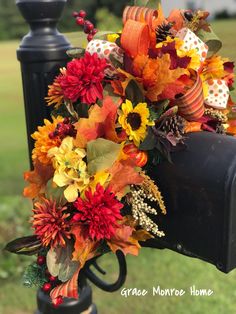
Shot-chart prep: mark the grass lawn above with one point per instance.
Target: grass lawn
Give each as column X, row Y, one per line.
column 151, row 268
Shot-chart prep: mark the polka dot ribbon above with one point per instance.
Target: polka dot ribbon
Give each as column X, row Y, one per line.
column 218, row 94
column 106, row 49
column 191, row 41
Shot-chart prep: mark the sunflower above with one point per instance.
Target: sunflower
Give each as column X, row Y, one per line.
column 134, row 120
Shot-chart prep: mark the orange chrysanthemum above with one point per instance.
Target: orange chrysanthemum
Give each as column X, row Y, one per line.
column 155, row 74
column 43, row 143
column 55, row 92
column 51, row 223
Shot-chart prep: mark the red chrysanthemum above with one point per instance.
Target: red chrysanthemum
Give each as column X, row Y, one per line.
column 83, row 79
column 99, row 212
column 51, row 223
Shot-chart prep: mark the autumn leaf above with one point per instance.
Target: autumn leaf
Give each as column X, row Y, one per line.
column 156, row 74
column 84, row 248
column 101, row 154
column 59, row 262
column 142, row 235
column 37, row 179
column 129, row 176
column 68, row 289
column 124, row 241
column 96, row 125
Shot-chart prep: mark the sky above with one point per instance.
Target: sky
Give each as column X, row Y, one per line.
column 209, row 5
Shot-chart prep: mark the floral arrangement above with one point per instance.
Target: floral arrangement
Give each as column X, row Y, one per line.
column 120, row 106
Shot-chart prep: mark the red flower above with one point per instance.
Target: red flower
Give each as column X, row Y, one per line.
column 83, row 79
column 100, row 212
column 51, row 223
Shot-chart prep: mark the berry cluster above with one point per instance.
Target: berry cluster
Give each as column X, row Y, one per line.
column 88, row 26
column 63, row 129
column 52, row 281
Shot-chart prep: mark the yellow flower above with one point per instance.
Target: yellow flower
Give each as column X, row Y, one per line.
column 178, row 42
column 70, row 169
column 135, row 120
column 43, row 143
column 213, row 68
column 112, row 37
column 195, row 62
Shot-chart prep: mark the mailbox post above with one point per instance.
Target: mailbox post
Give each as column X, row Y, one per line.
column 41, row 53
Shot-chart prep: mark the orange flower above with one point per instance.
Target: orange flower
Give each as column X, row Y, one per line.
column 51, row 223
column 43, row 142
column 156, row 74
column 55, row 92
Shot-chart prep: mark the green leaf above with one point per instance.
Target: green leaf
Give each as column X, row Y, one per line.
column 212, row 41
column 101, row 154
column 76, row 53
column 59, row 262
column 160, row 107
column 82, row 110
column 134, row 93
column 150, row 141
column 29, row 245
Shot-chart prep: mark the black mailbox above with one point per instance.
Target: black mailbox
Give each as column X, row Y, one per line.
column 199, row 190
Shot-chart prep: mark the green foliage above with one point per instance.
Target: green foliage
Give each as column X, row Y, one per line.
column 34, row 275
column 107, row 21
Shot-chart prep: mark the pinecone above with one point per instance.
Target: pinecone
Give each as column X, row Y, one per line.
column 175, row 125
column 163, row 31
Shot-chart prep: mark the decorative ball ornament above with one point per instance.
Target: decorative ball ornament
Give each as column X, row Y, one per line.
column 140, row 157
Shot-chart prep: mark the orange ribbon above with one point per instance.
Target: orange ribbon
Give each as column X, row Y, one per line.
column 135, row 38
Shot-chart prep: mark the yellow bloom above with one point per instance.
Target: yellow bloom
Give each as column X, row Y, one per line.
column 43, row 143
column 70, row 169
column 112, row 37
column 195, row 62
column 135, row 121
column 213, row 68
column 178, row 42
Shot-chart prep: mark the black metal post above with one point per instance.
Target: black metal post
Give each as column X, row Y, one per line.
column 41, row 53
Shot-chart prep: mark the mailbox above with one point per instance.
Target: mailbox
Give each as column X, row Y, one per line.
column 199, row 190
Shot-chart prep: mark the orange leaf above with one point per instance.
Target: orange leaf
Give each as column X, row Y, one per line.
column 176, row 18
column 96, row 125
column 142, row 235
column 37, row 179
column 156, row 74
column 124, row 241
column 84, row 247
column 129, row 176
column 68, row 289
column 117, row 87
